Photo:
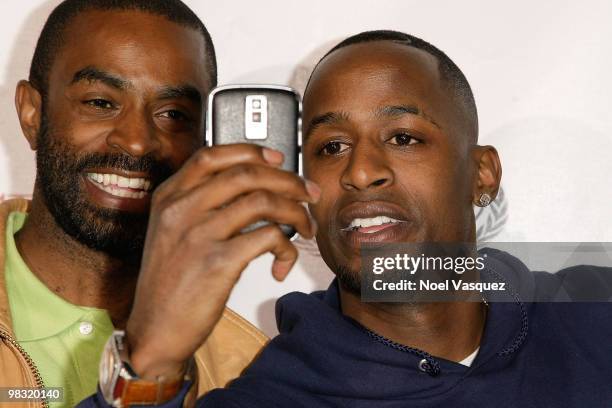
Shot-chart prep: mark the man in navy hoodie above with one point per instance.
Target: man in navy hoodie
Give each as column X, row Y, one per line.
column 390, row 136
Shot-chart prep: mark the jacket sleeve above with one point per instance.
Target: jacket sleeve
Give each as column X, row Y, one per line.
column 97, row 400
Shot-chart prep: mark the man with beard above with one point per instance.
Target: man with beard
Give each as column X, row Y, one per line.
column 113, row 107
column 390, row 136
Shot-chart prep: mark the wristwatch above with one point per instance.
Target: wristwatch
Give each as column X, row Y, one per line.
column 121, row 386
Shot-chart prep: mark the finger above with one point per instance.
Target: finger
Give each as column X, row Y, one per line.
column 227, row 186
column 210, row 160
column 260, row 205
column 267, row 239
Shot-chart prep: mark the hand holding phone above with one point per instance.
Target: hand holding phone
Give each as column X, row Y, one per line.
column 197, row 247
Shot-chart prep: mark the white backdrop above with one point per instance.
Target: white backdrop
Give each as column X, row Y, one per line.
column 540, row 73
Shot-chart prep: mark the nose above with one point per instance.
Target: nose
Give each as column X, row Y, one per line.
column 367, row 168
column 134, row 134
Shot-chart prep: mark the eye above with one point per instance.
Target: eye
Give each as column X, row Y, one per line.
column 333, row 148
column 173, row 114
column 99, row 103
column 403, row 139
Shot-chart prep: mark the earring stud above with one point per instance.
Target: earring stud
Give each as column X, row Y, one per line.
column 484, row 200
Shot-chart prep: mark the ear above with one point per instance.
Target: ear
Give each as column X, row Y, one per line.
column 28, row 102
column 489, row 172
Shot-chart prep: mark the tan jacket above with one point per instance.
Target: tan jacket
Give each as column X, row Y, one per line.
column 231, row 346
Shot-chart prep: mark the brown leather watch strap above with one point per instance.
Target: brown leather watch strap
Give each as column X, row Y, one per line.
column 134, row 391
column 141, row 392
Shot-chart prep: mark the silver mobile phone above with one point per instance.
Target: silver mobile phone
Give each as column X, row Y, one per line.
column 266, row 115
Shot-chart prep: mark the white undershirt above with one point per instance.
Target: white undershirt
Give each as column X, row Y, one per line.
column 469, row 359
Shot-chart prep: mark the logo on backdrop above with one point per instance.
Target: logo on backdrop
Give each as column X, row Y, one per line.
column 490, row 220
column 4, row 196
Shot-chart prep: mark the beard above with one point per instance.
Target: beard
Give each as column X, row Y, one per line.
column 59, row 176
column 348, row 279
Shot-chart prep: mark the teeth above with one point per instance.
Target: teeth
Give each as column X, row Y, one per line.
column 118, row 185
column 120, row 192
column 123, row 182
column 370, row 222
column 136, row 183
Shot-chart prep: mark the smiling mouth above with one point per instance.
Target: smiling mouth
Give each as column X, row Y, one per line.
column 371, row 225
column 119, row 186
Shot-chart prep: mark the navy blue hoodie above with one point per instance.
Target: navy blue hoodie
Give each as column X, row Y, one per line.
column 531, row 355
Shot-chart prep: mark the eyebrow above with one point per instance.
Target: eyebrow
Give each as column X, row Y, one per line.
column 397, row 110
column 93, row 74
column 394, row 111
column 182, row 91
column 328, row 118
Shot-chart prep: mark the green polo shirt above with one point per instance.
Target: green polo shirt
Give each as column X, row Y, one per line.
column 64, row 340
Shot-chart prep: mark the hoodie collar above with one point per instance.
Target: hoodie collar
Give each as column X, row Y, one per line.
column 506, row 327
column 315, row 328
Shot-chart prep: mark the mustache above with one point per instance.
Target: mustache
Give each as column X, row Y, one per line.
column 158, row 170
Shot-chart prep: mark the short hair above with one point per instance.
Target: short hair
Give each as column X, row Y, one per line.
column 449, row 71
column 52, row 39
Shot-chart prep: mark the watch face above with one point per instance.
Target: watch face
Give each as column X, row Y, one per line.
column 110, row 366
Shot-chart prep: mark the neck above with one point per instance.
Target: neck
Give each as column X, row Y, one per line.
column 78, row 274
column 450, row 330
